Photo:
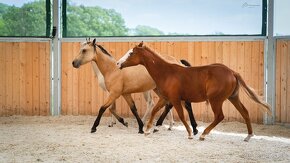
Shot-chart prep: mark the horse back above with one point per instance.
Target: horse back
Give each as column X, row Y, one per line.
column 205, row 82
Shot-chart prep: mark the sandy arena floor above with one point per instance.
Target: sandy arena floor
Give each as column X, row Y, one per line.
column 68, row 139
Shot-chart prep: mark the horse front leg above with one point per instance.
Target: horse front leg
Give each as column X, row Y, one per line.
column 103, row 108
column 133, row 108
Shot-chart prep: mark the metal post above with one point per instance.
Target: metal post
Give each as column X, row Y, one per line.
column 270, row 65
column 56, row 63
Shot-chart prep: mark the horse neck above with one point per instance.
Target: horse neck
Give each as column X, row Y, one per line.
column 154, row 62
column 105, row 63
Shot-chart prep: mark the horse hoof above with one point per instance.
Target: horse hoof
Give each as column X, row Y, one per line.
column 169, row 129
column 110, row 125
column 248, row 137
column 147, row 133
column 155, row 130
column 125, row 124
column 202, row 137
column 93, row 130
column 195, row 131
column 190, row 137
column 141, row 132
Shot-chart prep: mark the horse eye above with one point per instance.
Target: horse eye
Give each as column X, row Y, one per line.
column 130, row 53
column 84, row 50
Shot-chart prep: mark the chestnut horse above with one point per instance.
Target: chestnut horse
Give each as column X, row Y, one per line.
column 117, row 82
column 214, row 83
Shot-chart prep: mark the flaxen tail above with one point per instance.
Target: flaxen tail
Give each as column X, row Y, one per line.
column 250, row 92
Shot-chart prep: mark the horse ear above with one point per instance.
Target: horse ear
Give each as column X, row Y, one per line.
column 141, row 44
column 94, row 42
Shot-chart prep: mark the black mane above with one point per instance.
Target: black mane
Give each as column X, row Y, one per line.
column 104, row 50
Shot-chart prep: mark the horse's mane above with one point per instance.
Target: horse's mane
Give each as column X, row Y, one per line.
column 104, row 50
column 100, row 47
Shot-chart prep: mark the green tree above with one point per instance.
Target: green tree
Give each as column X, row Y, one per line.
column 94, row 21
column 143, row 30
column 28, row 20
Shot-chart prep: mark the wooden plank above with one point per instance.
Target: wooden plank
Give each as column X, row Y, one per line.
column 9, row 78
column 35, row 79
column 190, row 53
column 288, row 82
column 47, row 77
column 284, row 82
column 22, row 76
column 16, row 80
column 2, row 79
column 65, row 80
column 75, row 80
column 42, row 79
column 28, row 77
column 278, row 80
column 219, row 52
column 260, row 90
column 163, row 48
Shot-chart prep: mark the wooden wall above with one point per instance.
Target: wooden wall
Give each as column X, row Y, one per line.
column 24, row 81
column 283, row 81
column 81, row 94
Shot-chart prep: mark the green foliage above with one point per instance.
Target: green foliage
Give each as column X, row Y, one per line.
column 142, row 30
column 28, row 20
column 94, row 21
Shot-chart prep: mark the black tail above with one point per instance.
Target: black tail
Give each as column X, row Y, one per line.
column 185, row 62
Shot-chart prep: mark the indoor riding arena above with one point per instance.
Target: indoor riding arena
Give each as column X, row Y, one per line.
column 144, row 81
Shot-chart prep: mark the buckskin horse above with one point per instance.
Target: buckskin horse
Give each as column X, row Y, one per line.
column 213, row 83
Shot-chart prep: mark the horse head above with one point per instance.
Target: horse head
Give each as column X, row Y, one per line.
column 86, row 54
column 132, row 57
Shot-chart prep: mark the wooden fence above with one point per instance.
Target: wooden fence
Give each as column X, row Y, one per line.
column 283, row 81
column 81, row 94
column 24, row 81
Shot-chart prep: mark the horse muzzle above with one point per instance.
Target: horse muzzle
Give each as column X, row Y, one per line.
column 76, row 64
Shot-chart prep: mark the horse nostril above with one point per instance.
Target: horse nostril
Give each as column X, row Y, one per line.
column 73, row 63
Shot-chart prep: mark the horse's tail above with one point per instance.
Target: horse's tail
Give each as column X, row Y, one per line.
column 250, row 92
column 185, row 62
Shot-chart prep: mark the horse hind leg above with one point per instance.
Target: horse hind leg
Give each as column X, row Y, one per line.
column 218, row 117
column 235, row 100
column 112, row 109
column 180, row 113
column 120, row 119
column 171, row 120
column 149, row 103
